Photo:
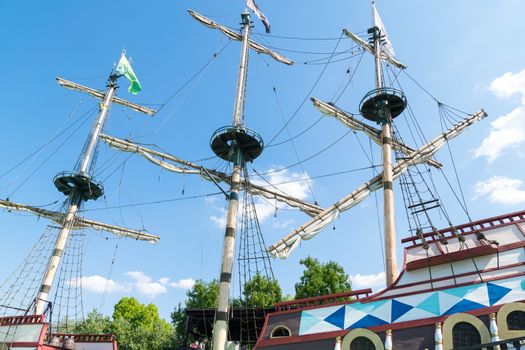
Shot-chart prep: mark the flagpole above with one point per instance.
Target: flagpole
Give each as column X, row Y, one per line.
column 79, row 187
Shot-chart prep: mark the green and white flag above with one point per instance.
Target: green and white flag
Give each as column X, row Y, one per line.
column 125, row 69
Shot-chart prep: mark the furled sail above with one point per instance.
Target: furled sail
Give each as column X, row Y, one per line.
column 370, row 49
column 354, row 124
column 237, row 36
column 288, row 244
column 159, row 159
column 82, row 223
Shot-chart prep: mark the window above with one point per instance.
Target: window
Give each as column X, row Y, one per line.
column 362, row 343
column 464, row 334
column 279, row 332
column 516, row 321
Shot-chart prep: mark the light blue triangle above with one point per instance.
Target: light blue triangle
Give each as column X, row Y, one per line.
column 496, row 292
column 430, row 304
column 308, row 321
column 460, row 292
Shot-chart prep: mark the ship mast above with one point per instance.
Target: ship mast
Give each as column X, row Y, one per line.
column 235, row 144
column 80, row 186
column 391, row 272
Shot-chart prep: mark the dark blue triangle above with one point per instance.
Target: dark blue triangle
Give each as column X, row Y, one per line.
column 399, row 309
column 368, row 321
column 337, row 318
column 496, row 292
column 464, row 305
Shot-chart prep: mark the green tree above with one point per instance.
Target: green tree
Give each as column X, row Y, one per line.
column 94, row 323
column 203, row 294
column 138, row 326
column 262, row 291
column 321, row 279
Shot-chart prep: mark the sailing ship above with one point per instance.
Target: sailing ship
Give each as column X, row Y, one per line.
column 465, row 279
column 27, row 299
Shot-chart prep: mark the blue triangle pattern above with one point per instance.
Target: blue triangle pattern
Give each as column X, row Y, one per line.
column 308, row 321
column 399, row 309
column 460, row 292
column 430, row 304
column 496, row 292
column 368, row 321
column 464, row 305
column 337, row 318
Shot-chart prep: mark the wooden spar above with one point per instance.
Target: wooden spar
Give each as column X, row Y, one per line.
column 192, row 168
column 284, row 247
column 236, row 36
column 82, row 223
column 374, row 134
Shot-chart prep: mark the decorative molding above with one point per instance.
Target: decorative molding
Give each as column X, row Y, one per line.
column 362, row 332
column 452, row 320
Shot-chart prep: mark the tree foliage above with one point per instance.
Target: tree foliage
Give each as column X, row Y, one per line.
column 321, row 279
column 262, row 291
column 203, row 294
column 135, row 326
column 138, row 326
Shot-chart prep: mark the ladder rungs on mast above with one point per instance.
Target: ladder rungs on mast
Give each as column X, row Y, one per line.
column 100, row 95
column 284, row 247
column 152, row 156
column 82, row 223
column 237, row 36
column 354, row 124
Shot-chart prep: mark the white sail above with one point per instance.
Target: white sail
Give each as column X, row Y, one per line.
column 374, row 134
column 237, row 36
column 284, row 247
column 159, row 159
column 82, row 223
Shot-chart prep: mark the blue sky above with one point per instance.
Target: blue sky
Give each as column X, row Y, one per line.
column 465, row 53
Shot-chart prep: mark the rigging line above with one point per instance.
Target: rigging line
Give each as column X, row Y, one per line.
column 48, row 158
column 296, row 38
column 351, row 77
column 380, row 229
column 108, row 279
column 420, row 86
column 319, row 63
column 200, row 76
column 351, row 51
column 456, row 173
column 214, row 56
column 297, row 135
column 455, row 109
column 154, row 202
column 290, row 134
column 312, row 52
column 60, row 133
column 305, row 98
column 310, row 157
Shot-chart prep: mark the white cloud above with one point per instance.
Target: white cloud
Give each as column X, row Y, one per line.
column 368, row 281
column 99, row 284
column 509, row 84
column 140, row 283
column 507, row 131
column 185, row 283
column 145, row 285
column 501, row 189
column 292, row 184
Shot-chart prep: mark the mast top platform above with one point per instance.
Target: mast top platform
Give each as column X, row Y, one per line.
column 379, row 105
column 68, row 183
column 226, row 139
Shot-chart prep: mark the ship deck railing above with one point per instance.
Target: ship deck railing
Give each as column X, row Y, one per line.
column 471, row 227
column 336, row 298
